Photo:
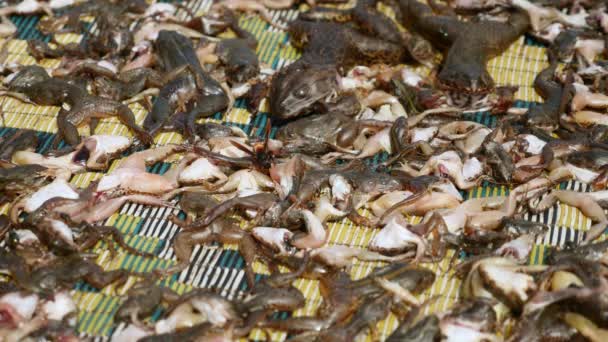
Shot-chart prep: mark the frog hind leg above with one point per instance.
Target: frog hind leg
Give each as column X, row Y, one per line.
column 205, row 107
column 100, row 278
column 375, row 23
column 158, row 114
column 249, row 251
column 67, row 130
column 184, row 244
column 126, row 116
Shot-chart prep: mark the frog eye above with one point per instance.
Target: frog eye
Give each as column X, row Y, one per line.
column 302, row 92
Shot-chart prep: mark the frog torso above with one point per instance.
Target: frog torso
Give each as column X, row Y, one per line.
column 328, row 49
column 342, row 45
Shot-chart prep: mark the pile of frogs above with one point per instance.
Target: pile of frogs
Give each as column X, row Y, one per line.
column 351, row 96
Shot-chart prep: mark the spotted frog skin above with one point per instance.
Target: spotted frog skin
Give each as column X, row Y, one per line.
column 329, row 48
column 188, row 86
column 467, row 46
column 35, row 83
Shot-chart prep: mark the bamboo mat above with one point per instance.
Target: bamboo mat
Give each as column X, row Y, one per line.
column 146, row 227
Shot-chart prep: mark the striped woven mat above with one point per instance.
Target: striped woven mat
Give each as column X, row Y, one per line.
column 146, row 228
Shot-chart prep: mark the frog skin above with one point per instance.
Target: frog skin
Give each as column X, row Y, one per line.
column 39, row 87
column 14, row 265
column 44, row 279
column 189, row 85
column 546, row 115
column 40, row 49
column 221, row 230
column 199, row 332
column 427, row 329
column 19, row 140
column 19, row 180
column 328, row 48
column 467, row 46
column 545, row 325
column 344, row 298
column 112, row 38
column 143, row 299
column 238, row 54
column 58, row 273
column 127, row 84
column 318, row 134
column 372, row 310
column 89, row 110
column 364, row 15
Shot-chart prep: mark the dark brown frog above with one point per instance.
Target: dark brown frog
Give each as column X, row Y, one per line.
column 329, row 48
column 467, row 46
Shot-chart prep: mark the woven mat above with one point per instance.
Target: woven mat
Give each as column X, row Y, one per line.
column 146, row 227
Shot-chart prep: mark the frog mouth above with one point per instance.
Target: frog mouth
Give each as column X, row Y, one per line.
column 303, row 106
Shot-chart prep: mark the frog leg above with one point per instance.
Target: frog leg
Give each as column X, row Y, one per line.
column 374, row 23
column 360, row 220
column 17, row 96
column 118, row 238
column 99, row 278
column 141, row 159
column 278, row 279
column 91, row 240
column 394, row 5
column 248, row 249
column 111, row 247
column 233, row 23
column 152, row 78
column 441, row 30
column 375, row 50
column 373, row 332
column 56, row 140
column 169, row 295
column 67, row 130
column 146, row 102
column 125, row 115
column 184, row 224
column 141, row 96
column 322, row 13
column 206, row 106
column 160, row 111
column 183, row 245
column 93, row 123
column 132, row 87
column 94, row 70
column 164, row 107
column 177, row 72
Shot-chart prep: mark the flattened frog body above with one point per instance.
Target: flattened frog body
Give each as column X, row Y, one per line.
column 467, row 46
column 329, row 48
column 317, row 134
column 189, row 86
column 40, row 88
column 238, row 54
